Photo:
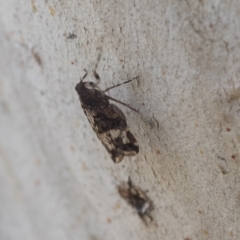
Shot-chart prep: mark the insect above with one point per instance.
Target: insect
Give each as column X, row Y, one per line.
column 106, row 119
column 137, row 198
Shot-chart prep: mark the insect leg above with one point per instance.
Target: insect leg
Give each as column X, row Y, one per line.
column 124, row 104
column 129, row 182
column 120, row 84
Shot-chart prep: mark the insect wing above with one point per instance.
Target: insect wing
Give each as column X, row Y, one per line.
column 111, row 129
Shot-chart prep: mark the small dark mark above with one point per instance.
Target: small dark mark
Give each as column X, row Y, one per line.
column 71, row 36
column 222, row 158
column 156, row 121
column 224, row 171
column 34, row 8
column 223, row 164
column 37, row 58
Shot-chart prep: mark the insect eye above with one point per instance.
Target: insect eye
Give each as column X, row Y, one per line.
column 89, row 85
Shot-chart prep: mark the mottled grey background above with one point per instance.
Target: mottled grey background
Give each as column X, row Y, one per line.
column 57, row 180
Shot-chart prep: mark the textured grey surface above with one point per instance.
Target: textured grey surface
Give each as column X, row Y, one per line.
column 57, row 180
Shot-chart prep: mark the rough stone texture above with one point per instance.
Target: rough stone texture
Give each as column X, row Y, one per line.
column 57, row 180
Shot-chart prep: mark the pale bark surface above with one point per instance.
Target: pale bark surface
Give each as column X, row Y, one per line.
column 56, row 179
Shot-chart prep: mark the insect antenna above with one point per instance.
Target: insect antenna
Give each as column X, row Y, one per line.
column 86, row 73
column 119, row 84
column 95, row 70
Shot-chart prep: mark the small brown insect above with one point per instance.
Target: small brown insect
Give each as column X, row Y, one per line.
column 137, row 198
column 106, row 119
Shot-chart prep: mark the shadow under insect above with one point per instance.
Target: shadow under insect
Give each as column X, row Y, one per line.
column 138, row 199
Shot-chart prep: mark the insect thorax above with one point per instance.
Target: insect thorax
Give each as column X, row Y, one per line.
column 92, row 97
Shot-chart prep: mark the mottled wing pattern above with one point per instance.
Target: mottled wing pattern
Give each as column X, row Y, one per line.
column 112, row 130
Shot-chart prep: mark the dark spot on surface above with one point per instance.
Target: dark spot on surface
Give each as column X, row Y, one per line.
column 223, row 170
column 93, row 237
column 71, row 36
column 34, row 9
column 37, row 58
column 222, row 158
column 228, row 129
column 233, row 157
column 205, row 232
